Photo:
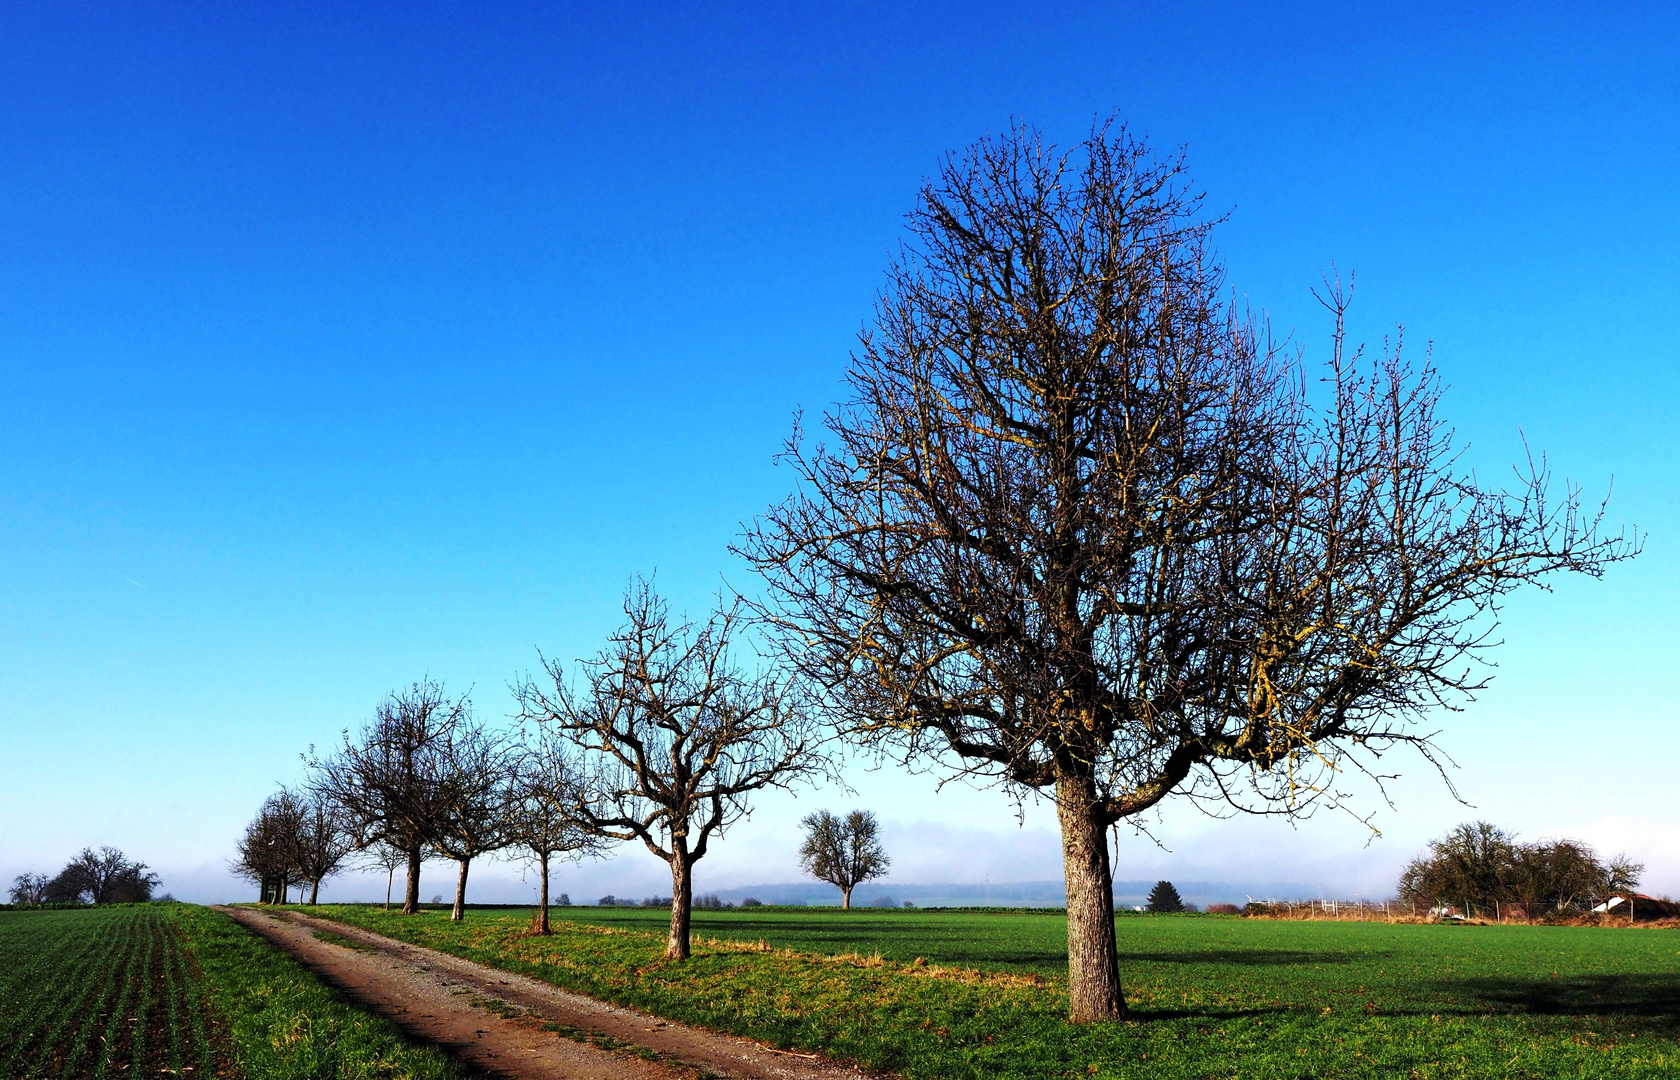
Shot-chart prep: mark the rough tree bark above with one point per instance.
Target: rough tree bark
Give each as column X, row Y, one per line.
column 1093, row 956
column 542, row 900
column 411, row 888
column 682, row 900
column 459, row 911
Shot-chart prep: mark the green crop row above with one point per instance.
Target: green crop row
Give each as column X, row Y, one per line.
column 131, row 990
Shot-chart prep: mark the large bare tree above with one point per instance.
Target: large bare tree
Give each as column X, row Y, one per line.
column 545, row 822
column 391, row 781
column 477, row 800
column 843, row 851
column 1081, row 527
column 677, row 734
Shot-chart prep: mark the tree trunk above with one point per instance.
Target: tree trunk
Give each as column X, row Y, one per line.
column 845, row 899
column 411, row 895
column 542, row 909
column 315, row 892
column 390, row 876
column 1093, row 955
column 280, row 894
column 682, row 902
column 460, row 910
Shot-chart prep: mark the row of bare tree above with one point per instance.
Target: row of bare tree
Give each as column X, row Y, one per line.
column 661, row 739
column 1083, row 527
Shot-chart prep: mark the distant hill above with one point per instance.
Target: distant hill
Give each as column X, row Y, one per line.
column 1006, row 894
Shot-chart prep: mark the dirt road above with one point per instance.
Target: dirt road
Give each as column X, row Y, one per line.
column 494, row 1019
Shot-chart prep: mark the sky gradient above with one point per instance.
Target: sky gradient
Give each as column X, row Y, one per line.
column 346, row 345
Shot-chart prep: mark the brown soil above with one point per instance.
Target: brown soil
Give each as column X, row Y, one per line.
column 514, row 1026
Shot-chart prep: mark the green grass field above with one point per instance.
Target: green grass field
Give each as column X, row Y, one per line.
column 1214, row 997
column 150, row 989
column 99, row 993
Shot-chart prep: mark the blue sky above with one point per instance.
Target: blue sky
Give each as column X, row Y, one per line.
column 345, row 345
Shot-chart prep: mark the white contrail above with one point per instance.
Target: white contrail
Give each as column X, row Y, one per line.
column 130, row 580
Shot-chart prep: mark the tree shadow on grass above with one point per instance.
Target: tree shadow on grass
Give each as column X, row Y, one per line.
column 1212, row 1015
column 1245, row 957
column 1651, row 999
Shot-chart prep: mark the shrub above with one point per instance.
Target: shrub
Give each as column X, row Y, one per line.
column 1223, row 909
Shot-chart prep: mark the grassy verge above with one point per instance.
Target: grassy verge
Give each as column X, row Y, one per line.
column 1214, row 998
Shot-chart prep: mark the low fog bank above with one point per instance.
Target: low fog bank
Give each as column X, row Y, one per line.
column 976, row 855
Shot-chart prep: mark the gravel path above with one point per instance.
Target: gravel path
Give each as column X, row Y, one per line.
column 494, row 1019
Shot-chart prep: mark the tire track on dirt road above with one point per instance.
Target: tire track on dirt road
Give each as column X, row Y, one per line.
column 494, row 1019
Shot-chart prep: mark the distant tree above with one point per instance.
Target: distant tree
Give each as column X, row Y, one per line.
column 391, row 780
column 564, row 901
column 843, row 851
column 382, row 856
column 1548, row 874
column 1164, row 898
column 1473, row 866
column 1479, row 866
column 1079, row 525
column 752, row 902
column 547, row 789
column 325, row 840
column 272, row 849
column 677, row 736
column 30, row 889
column 477, row 800
column 102, row 877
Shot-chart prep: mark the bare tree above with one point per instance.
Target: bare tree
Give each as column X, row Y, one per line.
column 548, row 788
column 105, row 876
column 327, row 838
column 843, row 851
column 679, row 736
column 476, row 798
column 390, row 782
column 382, row 856
column 1082, row 529
column 272, row 849
column 30, row 889
column 1479, row 866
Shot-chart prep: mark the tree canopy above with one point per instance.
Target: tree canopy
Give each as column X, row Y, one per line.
column 1081, row 526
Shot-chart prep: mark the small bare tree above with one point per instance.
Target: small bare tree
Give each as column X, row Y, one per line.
column 548, row 789
column 1082, row 528
column 476, row 800
column 326, row 840
column 382, row 856
column 30, row 889
column 391, row 781
column 843, row 851
column 679, row 736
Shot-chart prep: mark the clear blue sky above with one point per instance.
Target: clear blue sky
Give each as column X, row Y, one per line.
column 343, row 345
